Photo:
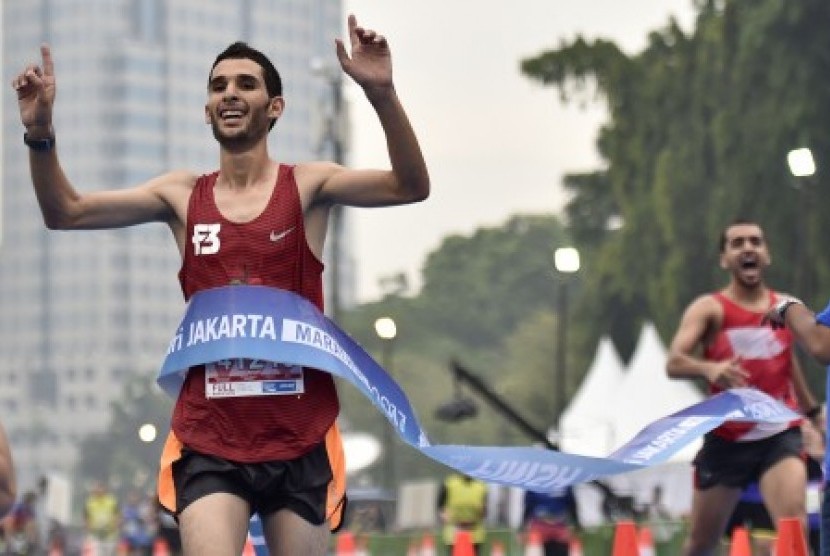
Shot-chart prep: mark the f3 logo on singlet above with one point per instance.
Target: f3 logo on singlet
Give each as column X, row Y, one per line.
column 205, row 239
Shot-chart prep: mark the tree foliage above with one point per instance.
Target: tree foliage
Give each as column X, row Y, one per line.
column 476, row 288
column 481, row 292
column 699, row 128
column 497, row 276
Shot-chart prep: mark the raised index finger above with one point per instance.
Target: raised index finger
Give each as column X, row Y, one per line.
column 48, row 64
column 352, row 29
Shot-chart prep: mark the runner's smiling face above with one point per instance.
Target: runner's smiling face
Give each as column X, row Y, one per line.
column 745, row 253
column 238, row 108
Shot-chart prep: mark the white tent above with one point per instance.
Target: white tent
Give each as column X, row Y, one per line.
column 587, row 424
column 612, row 405
column 647, row 393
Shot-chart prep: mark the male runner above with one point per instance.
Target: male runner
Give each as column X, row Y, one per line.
column 254, row 221
column 738, row 350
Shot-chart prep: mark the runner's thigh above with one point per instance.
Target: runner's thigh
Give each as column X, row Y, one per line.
column 288, row 534
column 214, row 525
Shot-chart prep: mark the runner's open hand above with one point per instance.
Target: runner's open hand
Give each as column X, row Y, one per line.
column 370, row 64
column 35, row 88
column 729, row 374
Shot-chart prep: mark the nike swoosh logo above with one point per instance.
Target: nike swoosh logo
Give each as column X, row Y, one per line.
column 276, row 236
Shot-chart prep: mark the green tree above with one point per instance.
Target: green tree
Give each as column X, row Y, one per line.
column 478, row 288
column 478, row 291
column 699, row 128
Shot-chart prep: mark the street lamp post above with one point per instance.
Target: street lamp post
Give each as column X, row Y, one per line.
column 387, row 330
column 566, row 261
column 802, row 167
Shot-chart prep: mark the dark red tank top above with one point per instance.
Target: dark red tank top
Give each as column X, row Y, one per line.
column 767, row 355
column 270, row 250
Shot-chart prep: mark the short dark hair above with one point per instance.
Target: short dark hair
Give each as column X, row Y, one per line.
column 241, row 51
column 736, row 222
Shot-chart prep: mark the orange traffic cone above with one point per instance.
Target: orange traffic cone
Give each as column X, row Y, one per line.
column 248, row 549
column 575, row 547
column 740, row 542
column 646, row 542
column 427, row 546
column 497, row 549
column 534, row 544
column 54, row 550
column 463, row 545
column 791, row 541
column 123, row 548
column 625, row 539
column 345, row 544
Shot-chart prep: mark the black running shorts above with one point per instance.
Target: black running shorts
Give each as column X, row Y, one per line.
column 737, row 464
column 300, row 485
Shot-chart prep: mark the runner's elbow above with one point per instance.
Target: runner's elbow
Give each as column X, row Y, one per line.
column 62, row 216
column 415, row 191
column 421, row 195
column 56, row 220
column 412, row 187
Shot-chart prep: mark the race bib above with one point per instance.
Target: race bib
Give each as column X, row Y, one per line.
column 231, row 378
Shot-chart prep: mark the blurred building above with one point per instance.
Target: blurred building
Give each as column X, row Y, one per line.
column 81, row 312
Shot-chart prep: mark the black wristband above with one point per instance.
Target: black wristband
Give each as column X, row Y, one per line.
column 783, row 304
column 40, row 145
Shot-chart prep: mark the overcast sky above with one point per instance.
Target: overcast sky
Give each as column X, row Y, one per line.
column 496, row 143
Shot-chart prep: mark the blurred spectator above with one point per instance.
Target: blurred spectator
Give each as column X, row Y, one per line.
column 552, row 517
column 101, row 518
column 137, row 524
column 168, row 529
column 814, row 448
column 659, row 518
column 21, row 530
column 46, row 527
column 462, row 505
column 367, row 518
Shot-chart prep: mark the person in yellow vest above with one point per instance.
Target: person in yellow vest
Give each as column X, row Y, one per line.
column 462, row 505
column 102, row 518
